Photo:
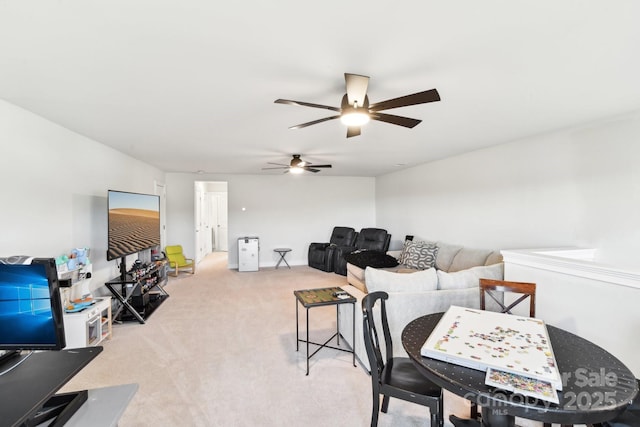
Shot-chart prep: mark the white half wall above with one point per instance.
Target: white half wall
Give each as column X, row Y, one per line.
column 592, row 300
column 282, row 210
column 577, row 187
column 54, row 189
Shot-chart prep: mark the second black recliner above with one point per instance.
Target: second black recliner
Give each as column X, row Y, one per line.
column 371, row 239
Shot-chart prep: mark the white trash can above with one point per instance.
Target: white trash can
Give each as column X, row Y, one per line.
column 248, row 254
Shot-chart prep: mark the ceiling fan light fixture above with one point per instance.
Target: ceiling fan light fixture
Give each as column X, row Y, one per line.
column 355, row 117
column 296, row 170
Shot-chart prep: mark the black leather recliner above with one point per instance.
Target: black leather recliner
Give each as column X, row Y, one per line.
column 371, row 239
column 321, row 255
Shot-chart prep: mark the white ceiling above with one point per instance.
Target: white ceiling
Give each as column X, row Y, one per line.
column 189, row 85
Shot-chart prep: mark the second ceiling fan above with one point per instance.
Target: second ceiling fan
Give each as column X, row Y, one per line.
column 356, row 111
column 297, row 165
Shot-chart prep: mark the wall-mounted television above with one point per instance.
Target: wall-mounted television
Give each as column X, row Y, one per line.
column 134, row 223
column 30, row 309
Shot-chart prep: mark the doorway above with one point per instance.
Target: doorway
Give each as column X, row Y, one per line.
column 211, row 200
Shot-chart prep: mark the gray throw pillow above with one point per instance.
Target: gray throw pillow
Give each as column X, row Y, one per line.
column 418, row 255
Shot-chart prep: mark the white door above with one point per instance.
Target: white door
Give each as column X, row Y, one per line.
column 208, row 223
column 221, row 226
column 210, row 217
column 200, row 245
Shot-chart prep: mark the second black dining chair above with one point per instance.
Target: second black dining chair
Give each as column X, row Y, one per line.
column 394, row 376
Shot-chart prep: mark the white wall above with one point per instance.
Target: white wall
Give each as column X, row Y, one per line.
column 54, row 189
column 282, row 210
column 578, row 187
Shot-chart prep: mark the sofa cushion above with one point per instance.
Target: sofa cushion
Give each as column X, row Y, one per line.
column 375, row 259
column 467, row 258
column 446, row 253
column 390, row 282
column 469, row 278
column 494, row 258
column 418, row 255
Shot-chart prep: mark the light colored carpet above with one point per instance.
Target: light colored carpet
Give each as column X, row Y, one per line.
column 221, row 351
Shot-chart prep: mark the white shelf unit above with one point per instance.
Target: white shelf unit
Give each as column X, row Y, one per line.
column 89, row 327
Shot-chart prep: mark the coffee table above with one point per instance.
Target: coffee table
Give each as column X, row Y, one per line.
column 311, row 298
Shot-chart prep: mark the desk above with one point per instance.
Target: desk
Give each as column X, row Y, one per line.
column 25, row 389
column 282, row 252
column 596, row 385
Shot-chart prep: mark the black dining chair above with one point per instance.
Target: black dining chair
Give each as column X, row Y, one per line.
column 394, row 376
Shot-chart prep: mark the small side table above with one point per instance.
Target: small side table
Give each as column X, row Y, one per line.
column 282, row 252
column 310, row 298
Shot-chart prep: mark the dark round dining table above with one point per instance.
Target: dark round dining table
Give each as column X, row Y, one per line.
column 596, row 385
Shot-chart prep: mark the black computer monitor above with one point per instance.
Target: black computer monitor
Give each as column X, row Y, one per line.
column 31, row 313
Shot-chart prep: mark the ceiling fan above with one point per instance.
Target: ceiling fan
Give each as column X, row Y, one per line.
column 297, row 165
column 356, row 111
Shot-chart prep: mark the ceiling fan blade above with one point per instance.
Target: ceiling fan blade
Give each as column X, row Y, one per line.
column 306, row 104
column 277, row 164
column 312, row 170
column 304, row 125
column 353, row 131
column 285, row 167
column 356, row 88
column 403, row 101
column 318, row 166
column 396, row 120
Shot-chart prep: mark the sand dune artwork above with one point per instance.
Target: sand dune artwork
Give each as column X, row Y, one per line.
column 131, row 230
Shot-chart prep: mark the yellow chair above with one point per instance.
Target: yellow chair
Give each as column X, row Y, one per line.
column 177, row 259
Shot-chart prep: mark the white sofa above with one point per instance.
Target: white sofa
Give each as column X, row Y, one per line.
column 413, row 295
column 449, row 258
